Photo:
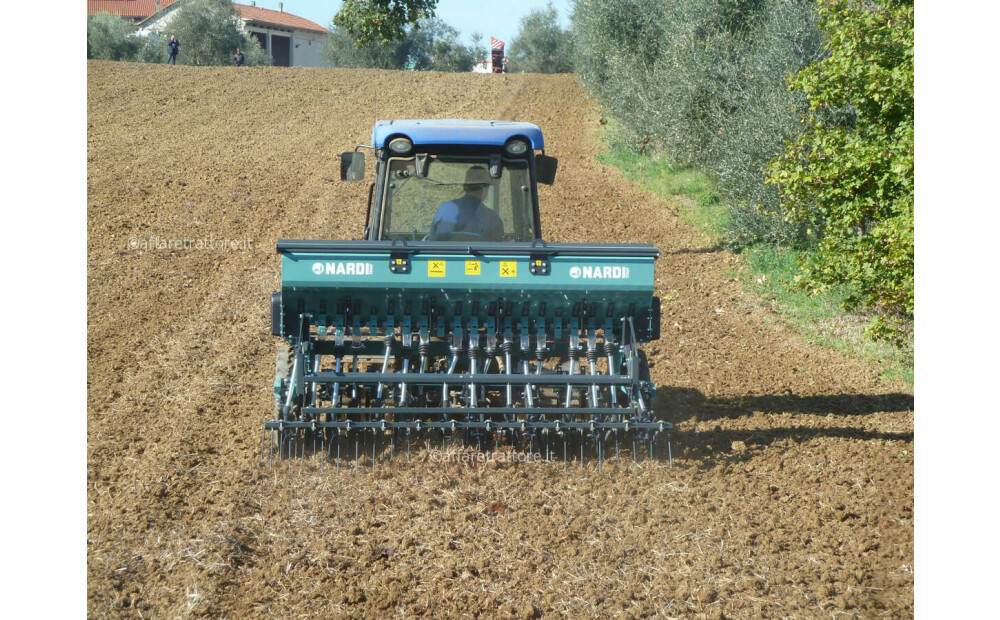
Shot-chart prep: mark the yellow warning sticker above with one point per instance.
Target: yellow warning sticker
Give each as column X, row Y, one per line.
column 435, row 268
column 472, row 268
column 508, row 269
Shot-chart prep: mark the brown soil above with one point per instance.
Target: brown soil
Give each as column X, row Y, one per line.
column 791, row 492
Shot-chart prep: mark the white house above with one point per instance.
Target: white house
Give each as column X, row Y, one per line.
column 290, row 40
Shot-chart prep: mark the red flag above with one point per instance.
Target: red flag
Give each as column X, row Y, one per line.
column 496, row 44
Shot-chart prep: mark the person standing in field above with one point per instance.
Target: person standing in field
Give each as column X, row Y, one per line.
column 239, row 59
column 172, row 48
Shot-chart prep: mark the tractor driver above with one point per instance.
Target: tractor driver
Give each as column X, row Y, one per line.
column 468, row 214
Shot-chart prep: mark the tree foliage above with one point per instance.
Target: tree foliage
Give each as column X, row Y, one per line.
column 541, row 44
column 209, row 33
column 431, row 45
column 705, row 82
column 849, row 176
column 381, row 22
column 110, row 37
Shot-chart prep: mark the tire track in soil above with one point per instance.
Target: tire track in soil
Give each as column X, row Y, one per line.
column 792, row 493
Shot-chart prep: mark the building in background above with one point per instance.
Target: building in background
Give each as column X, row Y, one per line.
column 290, row 40
column 136, row 10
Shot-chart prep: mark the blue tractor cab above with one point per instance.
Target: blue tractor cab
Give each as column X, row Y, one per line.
column 433, row 176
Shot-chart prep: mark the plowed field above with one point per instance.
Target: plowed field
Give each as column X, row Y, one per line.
column 791, row 492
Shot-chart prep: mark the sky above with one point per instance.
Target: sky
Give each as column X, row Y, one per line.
column 499, row 18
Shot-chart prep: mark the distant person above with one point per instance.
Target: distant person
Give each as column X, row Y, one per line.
column 239, row 59
column 467, row 216
column 172, row 48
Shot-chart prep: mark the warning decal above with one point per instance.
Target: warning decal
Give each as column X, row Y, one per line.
column 435, row 268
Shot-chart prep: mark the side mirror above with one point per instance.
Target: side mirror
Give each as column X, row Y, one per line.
column 545, row 169
column 352, row 166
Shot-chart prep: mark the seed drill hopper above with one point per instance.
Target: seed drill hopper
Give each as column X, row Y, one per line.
column 453, row 321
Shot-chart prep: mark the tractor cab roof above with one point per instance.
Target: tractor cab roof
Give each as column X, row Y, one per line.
column 456, row 131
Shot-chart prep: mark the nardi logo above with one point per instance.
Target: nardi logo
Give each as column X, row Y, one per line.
column 343, row 269
column 596, row 272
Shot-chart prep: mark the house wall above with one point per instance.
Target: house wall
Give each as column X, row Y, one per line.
column 305, row 45
column 306, row 48
column 161, row 22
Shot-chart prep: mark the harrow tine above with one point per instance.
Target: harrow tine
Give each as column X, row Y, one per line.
column 600, row 454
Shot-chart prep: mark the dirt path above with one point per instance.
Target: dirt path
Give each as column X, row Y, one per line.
column 792, row 487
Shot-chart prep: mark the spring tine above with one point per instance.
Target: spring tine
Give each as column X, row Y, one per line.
column 581, row 449
column 650, row 448
column 565, row 457
column 618, row 451
column 357, row 434
column 592, row 359
column 670, row 457
column 635, row 460
column 609, row 350
column 374, row 446
column 508, row 347
column 263, row 440
column 338, row 450
column 270, row 451
column 574, row 354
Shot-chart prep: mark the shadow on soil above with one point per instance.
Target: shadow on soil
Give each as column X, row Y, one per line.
column 704, row 250
column 676, row 404
column 735, row 445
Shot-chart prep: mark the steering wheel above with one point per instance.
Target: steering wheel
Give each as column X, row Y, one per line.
column 458, row 236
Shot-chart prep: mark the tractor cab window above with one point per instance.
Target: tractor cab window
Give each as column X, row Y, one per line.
column 457, row 200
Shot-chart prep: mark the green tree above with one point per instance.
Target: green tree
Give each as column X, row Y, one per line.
column 209, row 34
column 442, row 49
column 110, row 37
column 705, row 82
column 850, row 174
column 381, row 22
column 429, row 45
column 341, row 49
column 541, row 44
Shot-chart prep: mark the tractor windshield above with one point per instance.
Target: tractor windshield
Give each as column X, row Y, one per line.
column 457, row 200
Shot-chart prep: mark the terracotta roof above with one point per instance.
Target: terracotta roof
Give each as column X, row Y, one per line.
column 276, row 18
column 137, row 9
